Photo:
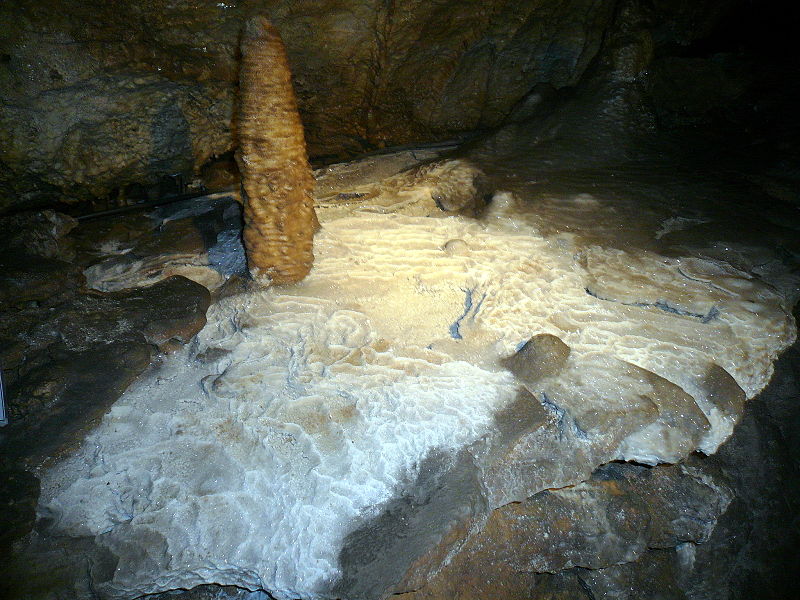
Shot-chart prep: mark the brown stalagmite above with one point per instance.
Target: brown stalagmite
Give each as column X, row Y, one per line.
column 279, row 218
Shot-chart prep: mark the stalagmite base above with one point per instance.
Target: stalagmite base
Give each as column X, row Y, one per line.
column 277, row 183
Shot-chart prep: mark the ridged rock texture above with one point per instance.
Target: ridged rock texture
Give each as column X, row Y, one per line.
column 277, row 182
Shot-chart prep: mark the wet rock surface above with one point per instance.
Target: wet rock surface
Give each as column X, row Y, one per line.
column 67, row 352
column 112, row 330
column 99, row 96
column 715, row 527
column 19, row 491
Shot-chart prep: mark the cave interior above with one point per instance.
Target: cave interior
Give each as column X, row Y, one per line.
column 546, row 349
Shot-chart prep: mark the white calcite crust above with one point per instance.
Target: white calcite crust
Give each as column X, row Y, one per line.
column 248, row 457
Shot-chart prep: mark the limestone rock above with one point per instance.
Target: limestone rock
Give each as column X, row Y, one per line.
column 427, row 416
column 437, row 188
column 155, row 250
column 27, row 278
column 751, row 550
column 41, row 234
column 199, row 239
column 102, row 96
column 656, row 409
column 74, row 360
column 19, row 492
column 441, row 389
column 102, row 132
column 51, row 407
column 657, row 574
column 173, row 308
column 541, row 356
column 563, row 586
column 604, row 526
column 99, row 96
column 211, row 592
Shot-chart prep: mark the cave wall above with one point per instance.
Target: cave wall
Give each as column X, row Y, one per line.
column 97, row 95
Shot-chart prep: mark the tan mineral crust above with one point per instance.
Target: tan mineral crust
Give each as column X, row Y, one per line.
column 277, row 183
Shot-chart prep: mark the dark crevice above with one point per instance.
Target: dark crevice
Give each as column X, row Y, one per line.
column 664, row 306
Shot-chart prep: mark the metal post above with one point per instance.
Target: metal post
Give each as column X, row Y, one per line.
column 3, row 416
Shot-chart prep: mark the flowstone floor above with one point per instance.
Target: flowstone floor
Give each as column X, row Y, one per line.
column 300, row 415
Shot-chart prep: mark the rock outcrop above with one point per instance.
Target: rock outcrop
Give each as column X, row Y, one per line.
column 97, row 96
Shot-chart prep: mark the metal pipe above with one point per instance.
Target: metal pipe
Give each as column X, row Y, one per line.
column 152, row 203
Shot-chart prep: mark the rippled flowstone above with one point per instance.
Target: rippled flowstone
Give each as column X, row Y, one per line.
column 431, row 383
